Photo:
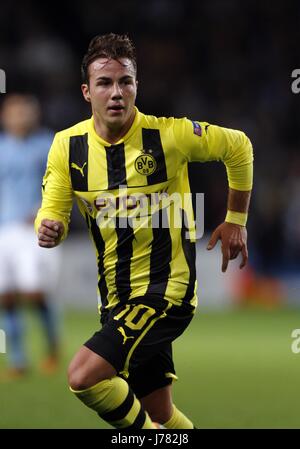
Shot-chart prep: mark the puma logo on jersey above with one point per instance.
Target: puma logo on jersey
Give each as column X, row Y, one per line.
column 73, row 165
column 122, row 332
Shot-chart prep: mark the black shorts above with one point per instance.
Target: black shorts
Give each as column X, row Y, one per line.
column 136, row 338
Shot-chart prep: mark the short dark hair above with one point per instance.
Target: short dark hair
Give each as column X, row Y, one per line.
column 111, row 46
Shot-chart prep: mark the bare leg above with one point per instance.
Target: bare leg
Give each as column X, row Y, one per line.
column 159, row 404
column 87, row 369
column 93, row 380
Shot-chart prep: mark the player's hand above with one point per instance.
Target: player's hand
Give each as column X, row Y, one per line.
column 50, row 233
column 234, row 241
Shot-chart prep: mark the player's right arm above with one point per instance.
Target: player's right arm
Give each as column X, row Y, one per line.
column 51, row 223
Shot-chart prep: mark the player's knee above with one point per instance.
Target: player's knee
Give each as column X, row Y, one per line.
column 80, row 378
column 76, row 380
column 87, row 369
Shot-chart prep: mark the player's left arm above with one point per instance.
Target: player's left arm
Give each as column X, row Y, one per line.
column 234, row 149
column 204, row 142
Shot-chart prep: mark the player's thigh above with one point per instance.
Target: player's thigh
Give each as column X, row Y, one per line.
column 159, row 404
column 124, row 331
column 152, row 384
column 163, row 330
column 135, row 332
column 87, row 369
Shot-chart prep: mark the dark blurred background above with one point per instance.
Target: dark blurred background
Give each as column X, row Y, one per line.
column 226, row 62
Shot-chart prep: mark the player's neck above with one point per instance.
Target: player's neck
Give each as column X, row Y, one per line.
column 112, row 134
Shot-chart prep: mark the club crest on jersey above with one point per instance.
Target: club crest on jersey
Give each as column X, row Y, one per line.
column 145, row 164
column 197, row 129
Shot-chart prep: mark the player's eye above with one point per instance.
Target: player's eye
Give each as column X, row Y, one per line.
column 127, row 81
column 103, row 83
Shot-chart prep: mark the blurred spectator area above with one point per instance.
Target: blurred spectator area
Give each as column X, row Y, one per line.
column 228, row 63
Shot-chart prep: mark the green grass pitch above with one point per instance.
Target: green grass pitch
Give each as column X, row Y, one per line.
column 236, row 370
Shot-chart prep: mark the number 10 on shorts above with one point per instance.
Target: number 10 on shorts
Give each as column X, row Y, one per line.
column 132, row 311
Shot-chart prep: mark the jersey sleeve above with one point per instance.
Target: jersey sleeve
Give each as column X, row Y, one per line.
column 203, row 142
column 57, row 195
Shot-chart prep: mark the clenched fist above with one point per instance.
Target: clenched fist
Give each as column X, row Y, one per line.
column 50, row 233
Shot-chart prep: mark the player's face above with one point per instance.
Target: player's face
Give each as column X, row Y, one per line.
column 112, row 91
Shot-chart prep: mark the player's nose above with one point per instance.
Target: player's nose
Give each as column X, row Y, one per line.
column 116, row 93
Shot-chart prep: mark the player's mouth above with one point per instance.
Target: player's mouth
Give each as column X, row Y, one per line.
column 116, row 108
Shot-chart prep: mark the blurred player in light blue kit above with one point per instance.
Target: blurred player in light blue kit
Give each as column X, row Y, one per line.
column 27, row 274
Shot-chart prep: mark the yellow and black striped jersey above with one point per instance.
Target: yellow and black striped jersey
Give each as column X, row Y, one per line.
column 130, row 194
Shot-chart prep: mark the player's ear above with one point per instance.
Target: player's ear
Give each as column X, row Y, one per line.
column 86, row 92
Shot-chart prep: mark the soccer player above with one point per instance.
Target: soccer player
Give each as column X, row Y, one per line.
column 128, row 172
column 24, row 266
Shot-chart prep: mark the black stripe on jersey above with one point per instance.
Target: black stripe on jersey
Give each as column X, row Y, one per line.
column 189, row 250
column 121, row 411
column 100, row 245
column 152, row 145
column 161, row 254
column 78, row 161
column 116, row 169
column 124, row 254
